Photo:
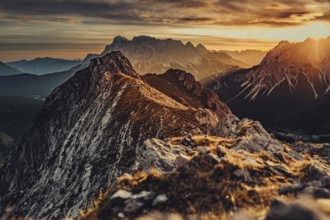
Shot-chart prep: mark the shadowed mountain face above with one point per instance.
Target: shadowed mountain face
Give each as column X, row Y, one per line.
column 16, row 116
column 44, row 65
column 288, row 89
column 34, row 85
column 6, row 70
column 21, row 98
column 152, row 55
column 92, row 128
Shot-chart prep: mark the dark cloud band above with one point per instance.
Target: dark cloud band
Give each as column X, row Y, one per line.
column 224, row 12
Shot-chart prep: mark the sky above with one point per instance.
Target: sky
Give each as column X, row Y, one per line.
column 73, row 28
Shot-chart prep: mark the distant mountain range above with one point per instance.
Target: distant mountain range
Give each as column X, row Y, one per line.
column 44, row 65
column 148, row 55
column 288, row 89
column 6, row 70
column 250, row 57
column 152, row 55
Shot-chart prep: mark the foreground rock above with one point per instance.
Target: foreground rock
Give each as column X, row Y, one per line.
column 212, row 176
column 302, row 209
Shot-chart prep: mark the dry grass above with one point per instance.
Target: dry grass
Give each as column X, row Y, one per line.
column 214, row 183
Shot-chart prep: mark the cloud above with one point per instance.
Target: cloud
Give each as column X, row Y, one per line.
column 270, row 13
column 181, row 3
column 173, row 12
column 67, row 9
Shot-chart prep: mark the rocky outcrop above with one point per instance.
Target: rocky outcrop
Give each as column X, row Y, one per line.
column 182, row 87
column 219, row 177
column 304, row 209
column 90, row 131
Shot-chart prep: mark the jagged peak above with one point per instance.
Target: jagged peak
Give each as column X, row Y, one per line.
column 189, row 44
column 282, row 43
column 183, row 84
column 115, row 62
column 314, row 40
column 143, row 38
column 90, row 56
column 201, row 47
column 174, row 41
column 179, row 73
column 119, row 39
column 310, row 39
column 187, row 80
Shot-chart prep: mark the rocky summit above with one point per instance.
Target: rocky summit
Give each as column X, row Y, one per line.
column 91, row 130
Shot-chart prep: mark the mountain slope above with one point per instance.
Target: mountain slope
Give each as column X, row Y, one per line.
column 291, row 65
column 7, row 70
column 152, row 55
column 44, row 65
column 88, row 133
column 286, row 89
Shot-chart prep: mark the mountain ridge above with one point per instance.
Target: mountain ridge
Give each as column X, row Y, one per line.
column 163, row 54
column 88, row 133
